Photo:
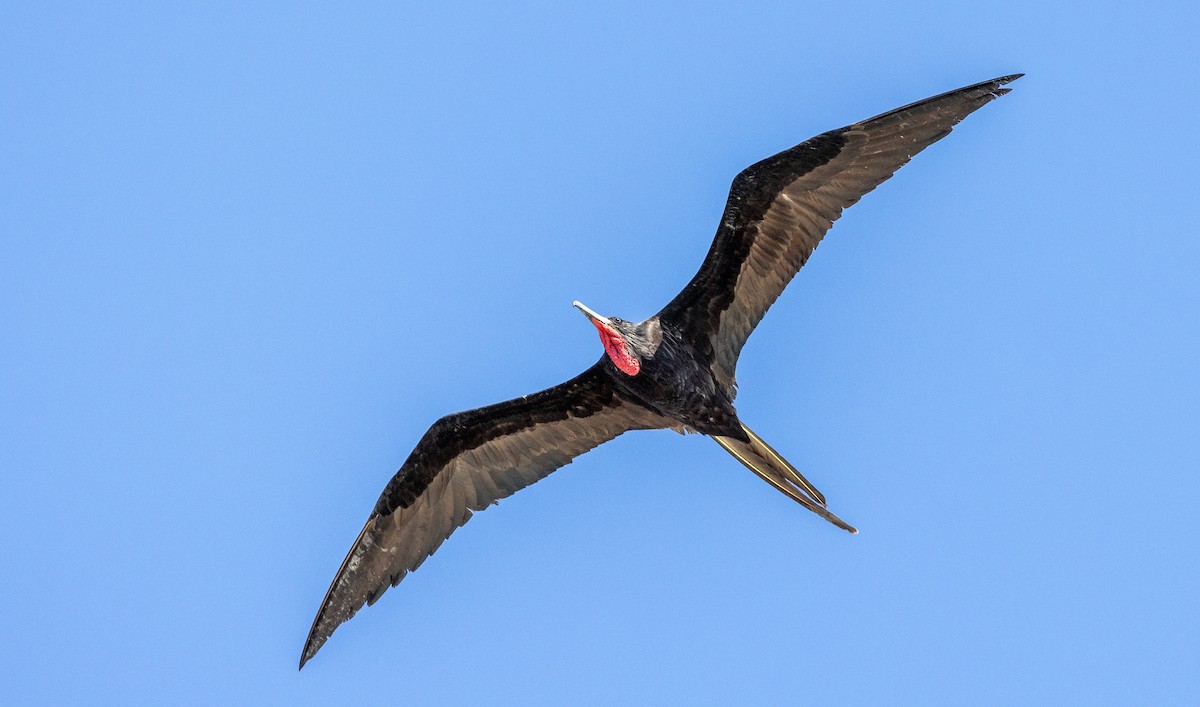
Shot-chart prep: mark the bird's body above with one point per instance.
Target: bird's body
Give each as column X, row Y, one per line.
column 674, row 381
column 675, row 370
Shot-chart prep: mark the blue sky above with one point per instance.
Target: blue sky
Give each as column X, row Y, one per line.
column 248, row 255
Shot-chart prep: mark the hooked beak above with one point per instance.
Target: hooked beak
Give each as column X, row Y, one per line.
column 595, row 317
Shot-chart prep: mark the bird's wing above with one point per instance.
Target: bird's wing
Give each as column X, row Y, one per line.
column 780, row 208
column 464, row 463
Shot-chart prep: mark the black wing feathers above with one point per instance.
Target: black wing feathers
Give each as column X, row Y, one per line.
column 464, row 463
column 712, row 289
column 580, row 398
column 780, row 208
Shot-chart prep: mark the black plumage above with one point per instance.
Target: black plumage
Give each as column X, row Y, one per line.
column 675, row 370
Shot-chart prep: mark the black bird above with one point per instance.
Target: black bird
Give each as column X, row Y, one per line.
column 674, row 370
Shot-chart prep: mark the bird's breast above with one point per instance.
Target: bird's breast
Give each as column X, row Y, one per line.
column 684, row 390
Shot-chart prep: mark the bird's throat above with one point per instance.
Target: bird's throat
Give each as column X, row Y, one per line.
column 618, row 352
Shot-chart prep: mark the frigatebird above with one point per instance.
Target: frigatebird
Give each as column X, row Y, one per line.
column 674, row 370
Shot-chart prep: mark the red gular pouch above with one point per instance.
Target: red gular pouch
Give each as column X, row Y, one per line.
column 617, row 350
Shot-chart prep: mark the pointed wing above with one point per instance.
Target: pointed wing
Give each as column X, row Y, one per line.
column 464, row 463
column 780, row 208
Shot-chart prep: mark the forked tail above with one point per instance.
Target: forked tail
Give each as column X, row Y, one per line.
column 759, row 457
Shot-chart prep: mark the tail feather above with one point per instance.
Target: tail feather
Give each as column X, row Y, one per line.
column 784, row 466
column 758, row 456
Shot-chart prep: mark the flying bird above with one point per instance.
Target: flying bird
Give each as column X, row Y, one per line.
column 675, row 370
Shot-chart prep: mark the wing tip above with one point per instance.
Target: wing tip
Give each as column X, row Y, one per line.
column 311, row 646
column 306, row 654
column 993, row 87
column 969, row 99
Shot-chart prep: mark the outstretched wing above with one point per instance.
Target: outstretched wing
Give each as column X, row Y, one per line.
column 780, row 208
column 465, row 462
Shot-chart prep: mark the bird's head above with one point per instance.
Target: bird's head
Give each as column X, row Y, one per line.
column 624, row 342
